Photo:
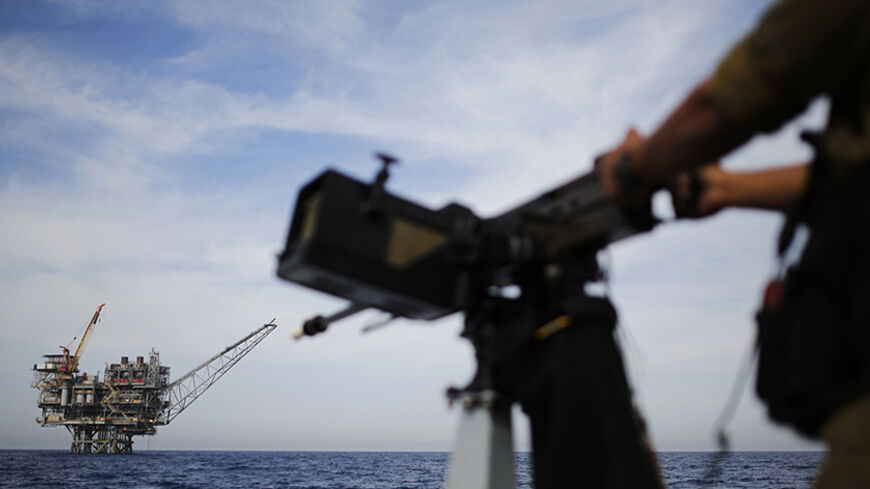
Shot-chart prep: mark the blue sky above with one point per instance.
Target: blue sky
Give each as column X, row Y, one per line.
column 150, row 153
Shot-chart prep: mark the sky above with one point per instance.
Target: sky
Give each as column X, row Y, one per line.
column 151, row 152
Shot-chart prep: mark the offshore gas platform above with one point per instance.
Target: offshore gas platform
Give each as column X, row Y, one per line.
column 132, row 399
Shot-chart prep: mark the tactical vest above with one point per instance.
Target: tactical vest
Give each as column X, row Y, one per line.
column 814, row 331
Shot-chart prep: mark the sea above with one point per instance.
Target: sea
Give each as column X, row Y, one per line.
column 359, row 470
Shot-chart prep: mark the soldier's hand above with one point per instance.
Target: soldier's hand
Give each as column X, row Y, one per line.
column 700, row 193
column 608, row 164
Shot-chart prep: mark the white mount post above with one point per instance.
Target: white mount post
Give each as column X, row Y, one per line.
column 483, row 455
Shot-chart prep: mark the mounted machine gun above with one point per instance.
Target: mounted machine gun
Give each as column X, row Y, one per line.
column 519, row 278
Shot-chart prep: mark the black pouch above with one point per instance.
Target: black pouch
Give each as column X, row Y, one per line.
column 773, row 321
column 809, row 362
column 801, row 354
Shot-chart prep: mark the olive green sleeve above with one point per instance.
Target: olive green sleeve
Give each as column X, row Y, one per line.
column 800, row 49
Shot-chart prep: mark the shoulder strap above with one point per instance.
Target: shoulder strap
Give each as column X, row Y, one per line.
column 798, row 210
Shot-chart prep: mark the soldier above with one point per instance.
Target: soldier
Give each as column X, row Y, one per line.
column 814, row 370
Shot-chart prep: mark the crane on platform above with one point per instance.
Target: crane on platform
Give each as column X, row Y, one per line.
column 71, row 364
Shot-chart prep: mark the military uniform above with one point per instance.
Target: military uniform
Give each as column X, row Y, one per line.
column 802, row 49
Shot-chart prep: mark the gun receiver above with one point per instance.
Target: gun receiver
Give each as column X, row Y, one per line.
column 357, row 241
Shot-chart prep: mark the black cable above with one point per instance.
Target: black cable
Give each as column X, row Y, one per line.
column 723, row 442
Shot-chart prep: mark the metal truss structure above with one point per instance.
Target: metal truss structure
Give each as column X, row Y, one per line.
column 193, row 384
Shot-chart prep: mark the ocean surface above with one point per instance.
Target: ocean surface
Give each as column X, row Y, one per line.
column 356, row 470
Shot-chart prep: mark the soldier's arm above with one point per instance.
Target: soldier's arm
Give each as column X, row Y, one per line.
column 772, row 189
column 799, row 49
column 697, row 132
